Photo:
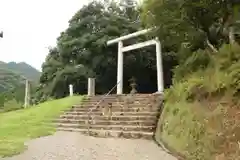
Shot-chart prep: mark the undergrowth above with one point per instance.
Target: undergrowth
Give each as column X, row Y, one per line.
column 201, row 116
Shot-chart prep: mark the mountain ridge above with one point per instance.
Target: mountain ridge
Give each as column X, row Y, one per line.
column 12, row 82
column 22, row 69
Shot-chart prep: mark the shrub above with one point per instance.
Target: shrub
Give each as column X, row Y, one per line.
column 227, row 56
column 198, row 60
column 228, row 61
column 12, row 105
column 199, row 85
column 217, row 74
column 234, row 73
column 200, row 118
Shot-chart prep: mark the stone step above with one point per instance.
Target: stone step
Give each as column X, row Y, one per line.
column 116, row 109
column 108, row 122
column 121, row 118
column 126, row 110
column 123, row 99
column 107, row 127
column 116, row 106
column 100, row 100
column 111, row 133
column 120, row 96
column 114, row 103
column 99, row 113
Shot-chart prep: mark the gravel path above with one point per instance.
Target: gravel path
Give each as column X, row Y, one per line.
column 74, row 146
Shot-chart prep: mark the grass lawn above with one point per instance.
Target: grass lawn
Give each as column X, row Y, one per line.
column 19, row 126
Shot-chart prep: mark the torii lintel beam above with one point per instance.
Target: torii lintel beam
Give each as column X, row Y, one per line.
column 136, row 34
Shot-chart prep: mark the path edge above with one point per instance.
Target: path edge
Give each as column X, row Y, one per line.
column 168, row 149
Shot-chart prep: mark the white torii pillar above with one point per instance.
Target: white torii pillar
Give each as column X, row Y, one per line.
column 122, row 49
column 120, row 68
column 159, row 66
column 70, row 90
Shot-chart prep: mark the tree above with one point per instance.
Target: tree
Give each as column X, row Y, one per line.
column 199, row 23
column 185, row 27
column 84, row 43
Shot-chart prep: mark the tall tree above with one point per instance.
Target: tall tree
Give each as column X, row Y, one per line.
column 83, row 44
column 207, row 22
column 185, row 26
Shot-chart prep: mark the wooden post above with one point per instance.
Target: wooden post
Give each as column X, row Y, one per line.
column 91, row 86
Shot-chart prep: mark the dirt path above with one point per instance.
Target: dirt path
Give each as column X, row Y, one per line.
column 74, row 146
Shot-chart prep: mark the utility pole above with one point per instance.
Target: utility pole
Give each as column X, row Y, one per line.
column 1, row 34
column 27, row 86
column 27, row 94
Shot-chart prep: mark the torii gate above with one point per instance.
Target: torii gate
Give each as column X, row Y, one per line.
column 122, row 49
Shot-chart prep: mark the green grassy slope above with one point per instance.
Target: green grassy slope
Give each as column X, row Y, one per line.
column 201, row 115
column 19, row 126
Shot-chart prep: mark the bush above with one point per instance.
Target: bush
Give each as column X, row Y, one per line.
column 12, row 105
column 218, row 73
column 227, row 56
column 228, row 61
column 195, row 61
column 200, row 85
column 200, row 118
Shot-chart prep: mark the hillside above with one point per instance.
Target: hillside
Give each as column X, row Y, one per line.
column 17, row 127
column 12, row 83
column 201, row 116
column 12, row 75
column 9, row 80
column 23, row 69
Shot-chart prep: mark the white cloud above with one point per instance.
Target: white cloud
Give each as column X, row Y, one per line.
column 30, row 26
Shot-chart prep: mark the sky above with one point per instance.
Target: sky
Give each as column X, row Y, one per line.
column 31, row 26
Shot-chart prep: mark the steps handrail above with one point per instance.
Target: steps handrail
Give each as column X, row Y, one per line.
column 104, row 96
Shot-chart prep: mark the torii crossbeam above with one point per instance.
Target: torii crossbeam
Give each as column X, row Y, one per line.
column 122, row 49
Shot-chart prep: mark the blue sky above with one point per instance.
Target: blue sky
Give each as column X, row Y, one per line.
column 31, row 26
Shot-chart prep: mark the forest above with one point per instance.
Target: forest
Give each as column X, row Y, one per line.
column 12, row 84
column 83, row 44
column 183, row 33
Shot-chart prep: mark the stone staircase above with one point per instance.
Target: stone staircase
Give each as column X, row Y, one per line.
column 126, row 116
